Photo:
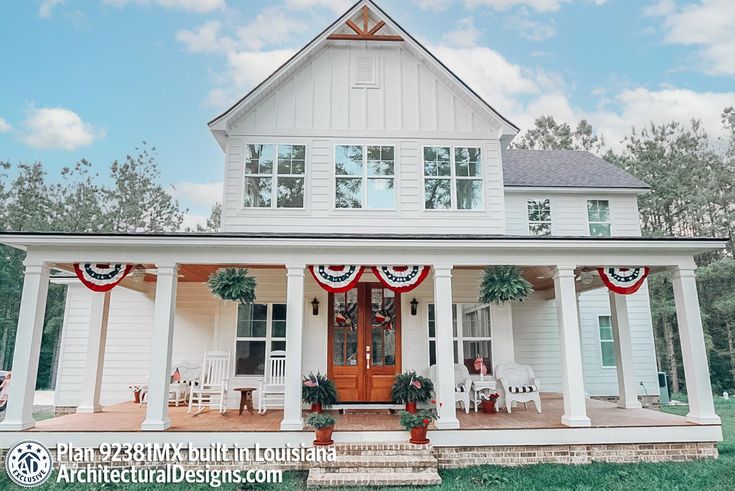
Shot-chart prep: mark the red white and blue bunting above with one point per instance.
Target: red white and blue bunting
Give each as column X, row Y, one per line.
column 336, row 279
column 401, row 279
column 101, row 277
column 623, row 280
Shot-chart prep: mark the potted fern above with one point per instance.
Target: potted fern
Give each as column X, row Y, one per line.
column 323, row 425
column 318, row 391
column 504, row 284
column 232, row 284
column 418, row 424
column 409, row 388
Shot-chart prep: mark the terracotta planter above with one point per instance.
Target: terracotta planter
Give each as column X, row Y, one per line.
column 324, row 436
column 418, row 435
column 316, row 407
column 411, row 407
column 488, row 406
column 136, row 397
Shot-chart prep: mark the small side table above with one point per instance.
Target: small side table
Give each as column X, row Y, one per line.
column 482, row 386
column 246, row 398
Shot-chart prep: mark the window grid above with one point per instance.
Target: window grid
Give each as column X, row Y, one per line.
column 377, row 173
column 459, row 339
column 539, row 217
column 264, row 164
column 449, row 169
column 272, row 342
column 598, row 217
column 607, row 341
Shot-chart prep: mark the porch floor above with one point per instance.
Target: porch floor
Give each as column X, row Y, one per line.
column 128, row 417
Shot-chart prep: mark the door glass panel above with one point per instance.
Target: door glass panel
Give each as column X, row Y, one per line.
column 383, row 324
column 344, row 323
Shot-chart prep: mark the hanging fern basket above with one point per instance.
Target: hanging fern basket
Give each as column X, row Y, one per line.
column 233, row 284
column 504, row 284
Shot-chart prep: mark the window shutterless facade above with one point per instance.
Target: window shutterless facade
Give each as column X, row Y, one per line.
column 274, row 176
column 539, row 217
column 261, row 328
column 452, row 178
column 365, row 177
column 471, row 332
column 598, row 217
column 607, row 342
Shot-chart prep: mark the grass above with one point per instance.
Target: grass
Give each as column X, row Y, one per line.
column 711, row 475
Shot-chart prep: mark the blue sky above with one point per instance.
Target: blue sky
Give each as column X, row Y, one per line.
column 93, row 79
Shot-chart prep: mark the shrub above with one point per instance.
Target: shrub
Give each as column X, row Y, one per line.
column 320, row 420
column 318, row 389
column 232, row 284
column 504, row 284
column 410, row 387
column 417, row 419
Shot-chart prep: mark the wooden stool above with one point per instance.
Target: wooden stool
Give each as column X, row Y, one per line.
column 246, row 398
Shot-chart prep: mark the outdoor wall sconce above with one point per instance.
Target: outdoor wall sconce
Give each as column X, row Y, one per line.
column 315, row 307
column 414, row 306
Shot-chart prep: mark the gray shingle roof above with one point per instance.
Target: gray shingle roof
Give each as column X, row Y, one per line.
column 564, row 168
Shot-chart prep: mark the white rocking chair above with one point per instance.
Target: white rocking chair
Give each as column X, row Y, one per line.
column 272, row 387
column 462, row 384
column 212, row 387
column 518, row 384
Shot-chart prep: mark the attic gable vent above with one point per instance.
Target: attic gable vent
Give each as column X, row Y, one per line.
column 365, row 72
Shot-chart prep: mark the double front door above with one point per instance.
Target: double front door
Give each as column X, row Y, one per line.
column 364, row 342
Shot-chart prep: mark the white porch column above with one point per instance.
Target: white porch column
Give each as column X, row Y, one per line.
column 623, row 345
column 575, row 410
column 693, row 351
column 447, row 411
column 292, row 420
column 159, row 380
column 19, row 413
column 90, row 402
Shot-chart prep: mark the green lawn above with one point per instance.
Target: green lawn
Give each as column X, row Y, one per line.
column 711, row 475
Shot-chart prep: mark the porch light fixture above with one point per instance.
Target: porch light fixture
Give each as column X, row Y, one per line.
column 414, row 306
column 315, row 307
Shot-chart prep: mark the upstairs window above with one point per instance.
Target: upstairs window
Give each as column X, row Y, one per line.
column 274, row 176
column 539, row 217
column 365, row 177
column 598, row 217
column 607, row 343
column 452, row 178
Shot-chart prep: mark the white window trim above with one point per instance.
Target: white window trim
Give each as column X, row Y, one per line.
column 268, row 338
column 453, row 180
column 459, row 338
column 274, row 176
column 609, row 215
column 365, row 178
column 600, row 341
column 530, row 222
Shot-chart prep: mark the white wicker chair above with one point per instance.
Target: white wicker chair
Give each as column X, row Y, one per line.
column 272, row 387
column 213, row 385
column 462, row 384
column 518, row 384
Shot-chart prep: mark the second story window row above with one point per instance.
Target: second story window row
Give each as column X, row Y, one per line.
column 274, row 176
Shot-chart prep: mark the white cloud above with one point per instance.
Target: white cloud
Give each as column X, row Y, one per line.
column 4, row 126
column 433, row 5
column 708, row 25
column 339, row 6
column 262, row 31
column 58, row 128
column 197, row 194
column 464, row 35
column 248, row 68
column 191, row 220
column 194, row 6
column 522, row 24
column 204, row 39
column 47, row 6
column 537, row 5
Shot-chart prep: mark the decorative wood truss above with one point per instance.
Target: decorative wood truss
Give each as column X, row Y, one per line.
column 365, row 33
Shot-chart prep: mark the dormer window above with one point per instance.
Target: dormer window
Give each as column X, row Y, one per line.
column 274, row 167
column 539, row 217
column 598, row 217
column 365, row 177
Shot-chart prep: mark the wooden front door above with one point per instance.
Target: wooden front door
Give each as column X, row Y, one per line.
column 364, row 342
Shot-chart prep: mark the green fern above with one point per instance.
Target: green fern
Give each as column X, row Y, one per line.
column 504, row 284
column 233, row 284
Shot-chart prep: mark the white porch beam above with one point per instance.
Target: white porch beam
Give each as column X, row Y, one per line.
column 96, row 340
column 575, row 409
column 164, row 313
column 19, row 412
column 447, row 410
column 623, row 345
column 694, row 353
column 292, row 420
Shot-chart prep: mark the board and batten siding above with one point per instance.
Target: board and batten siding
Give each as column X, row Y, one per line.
column 318, row 106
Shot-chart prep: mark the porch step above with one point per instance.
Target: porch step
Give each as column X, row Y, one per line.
column 377, row 464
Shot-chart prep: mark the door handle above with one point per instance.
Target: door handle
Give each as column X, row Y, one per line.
column 367, row 357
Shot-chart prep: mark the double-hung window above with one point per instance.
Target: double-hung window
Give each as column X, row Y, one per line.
column 274, row 176
column 607, row 342
column 598, row 217
column 471, row 333
column 539, row 217
column 452, row 178
column 261, row 328
column 365, row 177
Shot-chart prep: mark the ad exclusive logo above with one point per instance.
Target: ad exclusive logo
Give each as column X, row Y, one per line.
column 28, row 463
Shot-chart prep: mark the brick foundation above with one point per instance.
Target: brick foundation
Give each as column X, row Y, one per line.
column 648, row 402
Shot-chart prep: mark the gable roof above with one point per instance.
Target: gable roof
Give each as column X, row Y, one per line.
column 508, row 128
column 564, row 168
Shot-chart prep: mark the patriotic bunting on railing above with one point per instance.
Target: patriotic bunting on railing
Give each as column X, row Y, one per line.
column 101, row 277
column 336, row 279
column 401, row 279
column 623, row 280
